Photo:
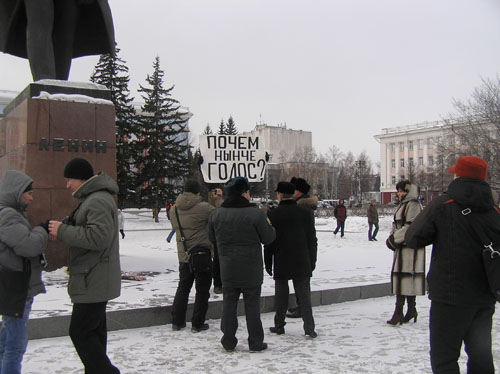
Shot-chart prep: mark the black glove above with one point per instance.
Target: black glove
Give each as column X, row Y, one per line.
column 200, row 160
column 269, row 270
column 391, row 244
column 44, row 225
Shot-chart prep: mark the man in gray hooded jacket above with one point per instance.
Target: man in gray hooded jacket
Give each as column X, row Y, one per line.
column 94, row 263
column 19, row 243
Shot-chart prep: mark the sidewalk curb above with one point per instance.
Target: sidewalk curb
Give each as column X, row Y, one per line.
column 51, row 327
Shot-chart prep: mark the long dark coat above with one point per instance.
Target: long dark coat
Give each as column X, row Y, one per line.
column 239, row 229
column 456, row 275
column 295, row 247
column 94, row 33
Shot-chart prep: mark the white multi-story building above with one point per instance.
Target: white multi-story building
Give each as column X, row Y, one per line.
column 405, row 150
column 280, row 141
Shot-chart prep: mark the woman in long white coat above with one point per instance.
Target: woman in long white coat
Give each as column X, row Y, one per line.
column 408, row 266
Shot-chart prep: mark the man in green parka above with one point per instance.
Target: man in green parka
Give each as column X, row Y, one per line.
column 91, row 232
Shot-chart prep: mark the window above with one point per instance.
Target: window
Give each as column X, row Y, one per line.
column 411, row 161
column 393, row 164
column 410, row 144
column 401, row 146
column 393, row 179
column 420, row 144
column 420, row 161
column 393, row 147
column 402, row 162
column 431, row 161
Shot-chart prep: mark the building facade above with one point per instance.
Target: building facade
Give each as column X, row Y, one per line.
column 408, row 152
column 282, row 142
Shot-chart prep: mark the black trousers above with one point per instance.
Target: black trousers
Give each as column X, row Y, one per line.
column 202, row 281
column 216, row 268
column 451, row 325
column 229, row 322
column 89, row 335
column 340, row 226
column 303, row 291
column 370, row 227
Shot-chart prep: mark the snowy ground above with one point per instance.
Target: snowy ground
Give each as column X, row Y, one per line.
column 345, row 262
column 353, row 337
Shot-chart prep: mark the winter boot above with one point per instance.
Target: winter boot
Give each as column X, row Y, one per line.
column 411, row 312
column 398, row 317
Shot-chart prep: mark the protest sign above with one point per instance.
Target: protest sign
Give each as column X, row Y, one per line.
column 229, row 156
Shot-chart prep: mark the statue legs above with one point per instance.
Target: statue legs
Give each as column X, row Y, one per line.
column 40, row 16
column 50, row 34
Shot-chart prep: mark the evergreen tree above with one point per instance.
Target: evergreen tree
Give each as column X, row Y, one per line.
column 222, row 128
column 164, row 157
column 208, row 130
column 112, row 72
column 231, row 127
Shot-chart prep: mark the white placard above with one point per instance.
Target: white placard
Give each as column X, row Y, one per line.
column 229, row 156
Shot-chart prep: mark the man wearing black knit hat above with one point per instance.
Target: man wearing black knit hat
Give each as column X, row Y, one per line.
column 91, row 232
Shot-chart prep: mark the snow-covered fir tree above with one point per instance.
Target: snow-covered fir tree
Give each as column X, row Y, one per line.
column 112, row 72
column 208, row 130
column 164, row 157
column 231, row 127
column 222, row 128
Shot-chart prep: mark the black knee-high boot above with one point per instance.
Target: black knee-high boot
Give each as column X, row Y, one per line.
column 411, row 312
column 398, row 317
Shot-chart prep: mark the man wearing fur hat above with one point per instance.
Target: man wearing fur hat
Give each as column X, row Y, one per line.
column 294, row 253
column 462, row 304
column 301, row 194
column 302, row 197
column 239, row 228
column 91, row 232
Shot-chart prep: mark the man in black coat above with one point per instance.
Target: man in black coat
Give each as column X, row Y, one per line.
column 294, row 252
column 462, row 305
column 239, row 228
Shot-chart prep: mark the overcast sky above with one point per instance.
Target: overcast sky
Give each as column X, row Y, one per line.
column 343, row 69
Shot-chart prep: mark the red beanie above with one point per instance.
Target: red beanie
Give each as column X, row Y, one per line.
column 470, row 167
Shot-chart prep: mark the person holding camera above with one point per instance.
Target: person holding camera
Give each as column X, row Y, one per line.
column 189, row 218
column 94, row 261
column 20, row 249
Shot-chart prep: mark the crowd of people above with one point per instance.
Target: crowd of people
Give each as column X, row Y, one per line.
column 230, row 241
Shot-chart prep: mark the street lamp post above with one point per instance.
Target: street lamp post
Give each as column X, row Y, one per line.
column 360, row 164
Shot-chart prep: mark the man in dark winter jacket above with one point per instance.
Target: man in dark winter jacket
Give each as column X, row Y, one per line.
column 340, row 213
column 294, row 253
column 301, row 194
column 192, row 213
column 372, row 214
column 462, row 305
column 302, row 197
column 239, row 228
column 91, row 232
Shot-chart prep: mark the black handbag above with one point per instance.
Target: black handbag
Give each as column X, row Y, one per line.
column 491, row 256
column 14, row 290
column 199, row 257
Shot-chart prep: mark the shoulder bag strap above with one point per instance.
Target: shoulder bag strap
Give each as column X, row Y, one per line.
column 479, row 230
column 183, row 239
